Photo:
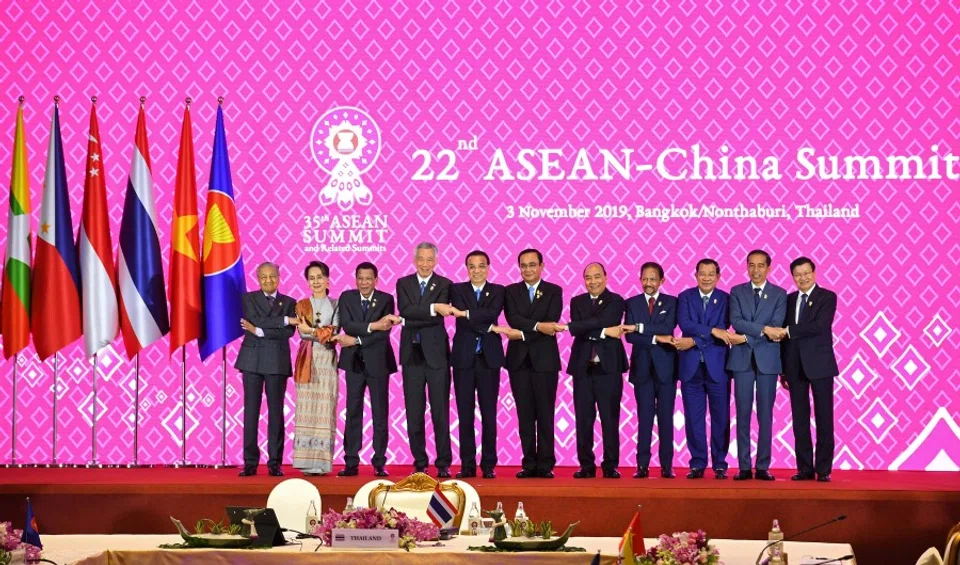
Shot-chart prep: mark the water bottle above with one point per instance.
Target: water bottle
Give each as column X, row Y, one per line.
column 473, row 519
column 312, row 520
column 520, row 515
column 507, row 526
column 776, row 550
column 349, row 506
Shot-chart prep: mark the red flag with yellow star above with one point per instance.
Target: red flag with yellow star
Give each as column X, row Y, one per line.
column 185, row 270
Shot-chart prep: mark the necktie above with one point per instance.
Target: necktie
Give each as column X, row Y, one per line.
column 803, row 307
column 593, row 344
column 705, row 300
column 532, row 291
column 650, row 305
column 364, row 306
column 756, row 298
column 479, row 339
column 423, row 287
column 271, row 300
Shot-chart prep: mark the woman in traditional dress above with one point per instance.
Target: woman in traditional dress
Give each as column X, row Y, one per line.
column 316, row 375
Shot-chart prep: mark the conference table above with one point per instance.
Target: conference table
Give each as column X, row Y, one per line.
column 143, row 550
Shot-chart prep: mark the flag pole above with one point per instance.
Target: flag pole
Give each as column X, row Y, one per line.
column 136, row 407
column 13, row 431
column 56, row 371
column 93, row 420
column 223, row 419
column 183, row 405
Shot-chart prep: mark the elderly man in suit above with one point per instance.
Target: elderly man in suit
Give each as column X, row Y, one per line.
column 757, row 311
column 264, row 360
column 366, row 356
column 809, row 363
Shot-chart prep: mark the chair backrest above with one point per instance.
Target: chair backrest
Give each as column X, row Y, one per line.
column 469, row 497
column 411, row 495
column 290, row 499
column 930, row 557
column 952, row 555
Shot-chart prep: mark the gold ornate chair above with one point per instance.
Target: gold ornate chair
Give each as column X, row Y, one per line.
column 412, row 494
column 952, row 555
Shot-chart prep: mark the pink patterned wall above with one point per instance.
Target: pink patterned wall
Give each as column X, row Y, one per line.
column 849, row 78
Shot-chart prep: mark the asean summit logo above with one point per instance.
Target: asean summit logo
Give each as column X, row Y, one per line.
column 345, row 143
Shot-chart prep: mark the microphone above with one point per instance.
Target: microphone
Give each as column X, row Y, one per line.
column 299, row 533
column 834, row 560
column 383, row 503
column 839, row 518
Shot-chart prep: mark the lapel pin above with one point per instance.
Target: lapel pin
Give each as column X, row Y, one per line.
column 599, row 302
column 764, row 296
column 810, row 303
column 486, row 293
column 659, row 303
column 714, row 300
column 431, row 287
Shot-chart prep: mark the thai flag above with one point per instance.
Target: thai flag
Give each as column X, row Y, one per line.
column 440, row 509
column 143, row 302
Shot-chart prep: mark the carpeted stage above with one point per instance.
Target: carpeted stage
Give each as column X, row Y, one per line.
column 892, row 516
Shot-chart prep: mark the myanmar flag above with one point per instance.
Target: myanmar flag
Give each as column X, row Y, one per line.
column 15, row 318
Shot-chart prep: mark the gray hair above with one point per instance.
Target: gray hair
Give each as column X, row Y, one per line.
column 268, row 264
column 426, row 245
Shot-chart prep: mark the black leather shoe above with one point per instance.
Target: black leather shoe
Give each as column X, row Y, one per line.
column 545, row 474
column 443, row 473
column 642, row 473
column 380, row 472
column 348, row 472
column 765, row 476
column 466, row 474
column 667, row 473
column 745, row 475
column 611, row 474
column 824, row 478
column 802, row 477
column 695, row 474
column 248, row 472
column 582, row 473
column 275, row 470
column 524, row 474
column 720, row 474
column 419, row 469
column 489, row 474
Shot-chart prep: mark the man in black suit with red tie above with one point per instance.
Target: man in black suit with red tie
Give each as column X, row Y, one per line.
column 477, row 360
column 809, row 364
column 532, row 309
column 423, row 299
column 597, row 364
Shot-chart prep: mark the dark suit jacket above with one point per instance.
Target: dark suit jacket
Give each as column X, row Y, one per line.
column 662, row 322
column 543, row 351
column 375, row 347
column 811, row 340
column 482, row 316
column 749, row 321
column 270, row 354
column 586, row 325
column 415, row 310
column 696, row 323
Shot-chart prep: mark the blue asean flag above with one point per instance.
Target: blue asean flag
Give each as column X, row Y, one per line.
column 223, row 277
column 30, row 533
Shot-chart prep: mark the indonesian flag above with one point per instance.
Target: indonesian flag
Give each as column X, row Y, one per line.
column 56, row 281
column 185, row 273
column 100, row 310
column 15, row 318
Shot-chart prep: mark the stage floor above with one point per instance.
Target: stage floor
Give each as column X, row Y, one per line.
column 892, row 516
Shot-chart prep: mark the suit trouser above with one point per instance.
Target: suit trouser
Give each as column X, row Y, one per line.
column 655, row 397
column 353, row 430
column 823, row 413
column 766, row 387
column 596, row 391
column 536, row 397
column 696, row 393
column 479, row 384
column 417, row 380
column 253, row 389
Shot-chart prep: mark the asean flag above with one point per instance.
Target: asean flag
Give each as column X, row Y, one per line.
column 223, row 276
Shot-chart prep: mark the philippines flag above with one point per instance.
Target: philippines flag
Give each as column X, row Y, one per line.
column 440, row 509
column 100, row 310
column 223, row 277
column 56, row 271
column 143, row 302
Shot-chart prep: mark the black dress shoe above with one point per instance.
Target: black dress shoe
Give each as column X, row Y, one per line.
column 695, row 474
column 667, row 473
column 524, row 474
column 348, row 472
column 248, row 472
column 765, row 476
column 419, row 469
column 275, row 470
column 380, row 472
column 745, row 476
column 489, row 474
column 824, row 478
column 466, row 474
column 802, row 477
column 545, row 474
column 642, row 473
column 582, row 473
column 443, row 473
column 611, row 474
column 720, row 474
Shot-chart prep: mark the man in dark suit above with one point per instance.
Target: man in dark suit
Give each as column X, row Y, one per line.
column 366, row 356
column 809, row 363
column 653, row 363
column 703, row 318
column 532, row 308
column 424, row 299
column 264, row 359
column 477, row 360
column 757, row 311
column 597, row 364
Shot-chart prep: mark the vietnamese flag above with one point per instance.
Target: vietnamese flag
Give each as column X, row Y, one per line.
column 635, row 529
column 56, row 317
column 185, row 273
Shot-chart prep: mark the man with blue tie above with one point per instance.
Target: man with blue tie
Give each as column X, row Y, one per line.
column 757, row 311
column 703, row 317
column 653, row 363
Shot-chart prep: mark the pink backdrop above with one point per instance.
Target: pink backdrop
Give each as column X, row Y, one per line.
column 850, row 78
